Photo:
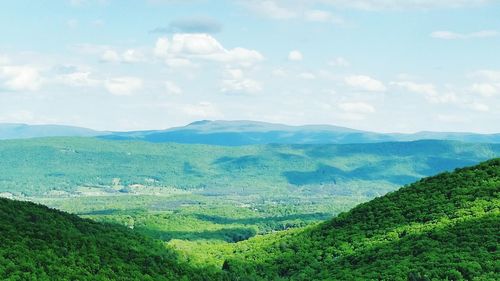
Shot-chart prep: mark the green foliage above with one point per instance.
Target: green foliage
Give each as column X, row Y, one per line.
column 38, row 243
column 86, row 166
column 440, row 228
column 203, row 201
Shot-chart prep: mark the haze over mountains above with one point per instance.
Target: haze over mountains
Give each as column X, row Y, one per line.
column 235, row 133
column 23, row 131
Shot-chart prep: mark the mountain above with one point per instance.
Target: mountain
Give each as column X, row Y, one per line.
column 440, row 228
column 39, row 243
column 77, row 165
column 234, row 133
column 22, row 131
column 237, row 133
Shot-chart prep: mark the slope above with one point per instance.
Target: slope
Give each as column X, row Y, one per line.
column 39, row 243
column 444, row 227
column 75, row 165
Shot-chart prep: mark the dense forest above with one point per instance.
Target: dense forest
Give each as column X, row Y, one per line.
column 444, row 227
column 55, row 166
column 38, row 243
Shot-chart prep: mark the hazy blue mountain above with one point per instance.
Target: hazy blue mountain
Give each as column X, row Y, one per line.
column 234, row 133
column 23, row 131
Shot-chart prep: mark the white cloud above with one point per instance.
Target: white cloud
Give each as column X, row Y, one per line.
column 20, row 116
column 179, row 63
column 365, row 83
column 322, row 16
column 20, row 78
column 128, row 56
column 295, row 55
column 78, row 79
column 340, row 62
column 490, row 75
column 4, row 60
column 132, row 56
column 357, row 107
column 201, row 110
column 172, row 88
column 479, row 107
column 279, row 73
column 161, row 47
column 318, row 15
column 449, row 35
column 271, row 9
column 419, row 88
column 195, row 44
column 123, row 86
column 307, row 76
column 429, row 92
column 294, row 9
column 448, row 97
column 291, row 10
column 355, row 111
column 402, row 5
column 236, row 82
column 110, row 56
column 203, row 46
column 485, row 89
column 451, row 118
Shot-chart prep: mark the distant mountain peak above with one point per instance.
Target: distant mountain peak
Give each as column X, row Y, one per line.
column 200, row 122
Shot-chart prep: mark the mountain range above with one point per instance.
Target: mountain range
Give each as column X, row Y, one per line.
column 236, row 133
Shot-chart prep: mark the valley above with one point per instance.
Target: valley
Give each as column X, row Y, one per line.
column 205, row 202
column 441, row 227
column 249, row 140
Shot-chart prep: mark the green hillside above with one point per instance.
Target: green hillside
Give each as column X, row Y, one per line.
column 183, row 193
column 445, row 227
column 77, row 165
column 38, row 243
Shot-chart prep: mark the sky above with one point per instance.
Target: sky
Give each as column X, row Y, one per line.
column 377, row 65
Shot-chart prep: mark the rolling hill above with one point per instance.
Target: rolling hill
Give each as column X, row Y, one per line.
column 24, row 131
column 445, row 227
column 237, row 133
column 39, row 243
column 75, row 165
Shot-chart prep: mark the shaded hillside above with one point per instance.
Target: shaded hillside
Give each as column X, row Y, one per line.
column 444, row 227
column 39, row 166
column 38, row 243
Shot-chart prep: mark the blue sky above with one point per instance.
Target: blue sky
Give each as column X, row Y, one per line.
column 379, row 65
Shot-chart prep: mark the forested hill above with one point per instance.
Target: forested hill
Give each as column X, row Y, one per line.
column 444, row 227
column 39, row 166
column 38, row 243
